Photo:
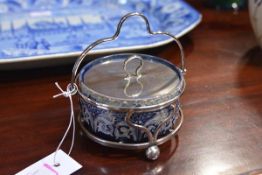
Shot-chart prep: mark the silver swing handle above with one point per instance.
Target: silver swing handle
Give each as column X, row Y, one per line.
column 115, row 36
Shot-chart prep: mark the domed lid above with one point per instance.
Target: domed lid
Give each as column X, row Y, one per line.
column 131, row 81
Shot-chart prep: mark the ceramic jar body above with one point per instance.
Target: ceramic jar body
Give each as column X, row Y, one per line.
column 255, row 11
column 111, row 125
column 130, row 100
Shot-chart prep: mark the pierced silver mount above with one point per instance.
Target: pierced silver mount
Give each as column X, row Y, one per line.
column 152, row 150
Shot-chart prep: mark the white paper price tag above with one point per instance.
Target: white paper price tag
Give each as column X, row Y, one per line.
column 46, row 166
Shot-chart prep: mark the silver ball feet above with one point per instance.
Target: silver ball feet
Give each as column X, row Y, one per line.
column 153, row 152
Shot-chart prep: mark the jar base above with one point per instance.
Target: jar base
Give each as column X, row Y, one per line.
column 132, row 146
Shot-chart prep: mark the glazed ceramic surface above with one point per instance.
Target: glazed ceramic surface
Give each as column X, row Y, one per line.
column 105, row 103
column 255, row 10
column 110, row 125
column 38, row 30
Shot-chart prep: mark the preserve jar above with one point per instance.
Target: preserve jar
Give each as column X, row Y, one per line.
column 130, row 100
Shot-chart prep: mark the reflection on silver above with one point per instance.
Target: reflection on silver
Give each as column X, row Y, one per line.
column 132, row 146
column 134, row 86
column 137, row 70
column 115, row 36
column 153, row 152
column 153, row 140
column 154, row 101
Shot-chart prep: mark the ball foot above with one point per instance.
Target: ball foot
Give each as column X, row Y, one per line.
column 153, row 152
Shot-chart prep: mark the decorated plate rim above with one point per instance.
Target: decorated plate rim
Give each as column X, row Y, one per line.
column 101, row 51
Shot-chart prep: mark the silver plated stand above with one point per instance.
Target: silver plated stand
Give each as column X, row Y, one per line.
column 152, row 151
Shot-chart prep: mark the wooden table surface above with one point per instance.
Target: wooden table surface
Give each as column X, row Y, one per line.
column 222, row 104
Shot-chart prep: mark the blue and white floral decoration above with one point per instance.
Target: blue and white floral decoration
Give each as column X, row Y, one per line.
column 31, row 28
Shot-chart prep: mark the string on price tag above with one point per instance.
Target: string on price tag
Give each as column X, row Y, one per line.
column 58, row 163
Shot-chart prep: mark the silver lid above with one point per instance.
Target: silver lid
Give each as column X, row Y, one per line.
column 131, row 81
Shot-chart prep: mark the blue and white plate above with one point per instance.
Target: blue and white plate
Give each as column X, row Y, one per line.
column 38, row 30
